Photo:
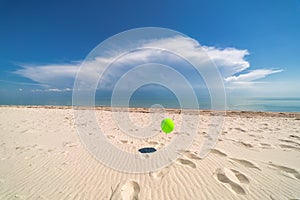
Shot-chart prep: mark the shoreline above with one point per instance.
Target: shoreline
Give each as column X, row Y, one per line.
column 228, row 113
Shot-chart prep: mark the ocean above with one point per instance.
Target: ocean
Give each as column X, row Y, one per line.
column 265, row 104
column 247, row 104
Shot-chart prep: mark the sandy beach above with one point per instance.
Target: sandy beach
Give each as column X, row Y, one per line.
column 257, row 156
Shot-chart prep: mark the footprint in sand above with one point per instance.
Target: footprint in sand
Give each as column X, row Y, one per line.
column 192, row 156
column 124, row 141
column 130, row 191
column 289, row 147
column 69, row 144
column 189, row 154
column 218, row 152
column 245, row 144
column 232, row 179
column 246, row 163
column 286, row 170
column 110, row 136
column 158, row 175
column 257, row 136
column 290, row 142
column 152, row 143
column 242, row 178
column 294, row 137
column 24, row 131
column 126, row 191
column 186, row 162
column 265, row 146
column 240, row 129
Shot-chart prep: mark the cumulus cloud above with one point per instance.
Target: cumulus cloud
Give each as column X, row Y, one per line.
column 58, row 75
column 229, row 61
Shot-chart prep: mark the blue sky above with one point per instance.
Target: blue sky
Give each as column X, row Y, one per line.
column 36, row 36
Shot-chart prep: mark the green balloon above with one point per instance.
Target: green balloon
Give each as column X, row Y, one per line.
column 167, row 125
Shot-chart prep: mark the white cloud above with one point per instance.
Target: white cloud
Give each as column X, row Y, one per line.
column 58, row 75
column 229, row 61
column 52, row 90
column 59, row 90
column 252, row 75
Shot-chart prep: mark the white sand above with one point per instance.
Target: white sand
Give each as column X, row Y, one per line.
column 41, row 157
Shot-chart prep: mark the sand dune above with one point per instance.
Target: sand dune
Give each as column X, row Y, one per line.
column 41, row 157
